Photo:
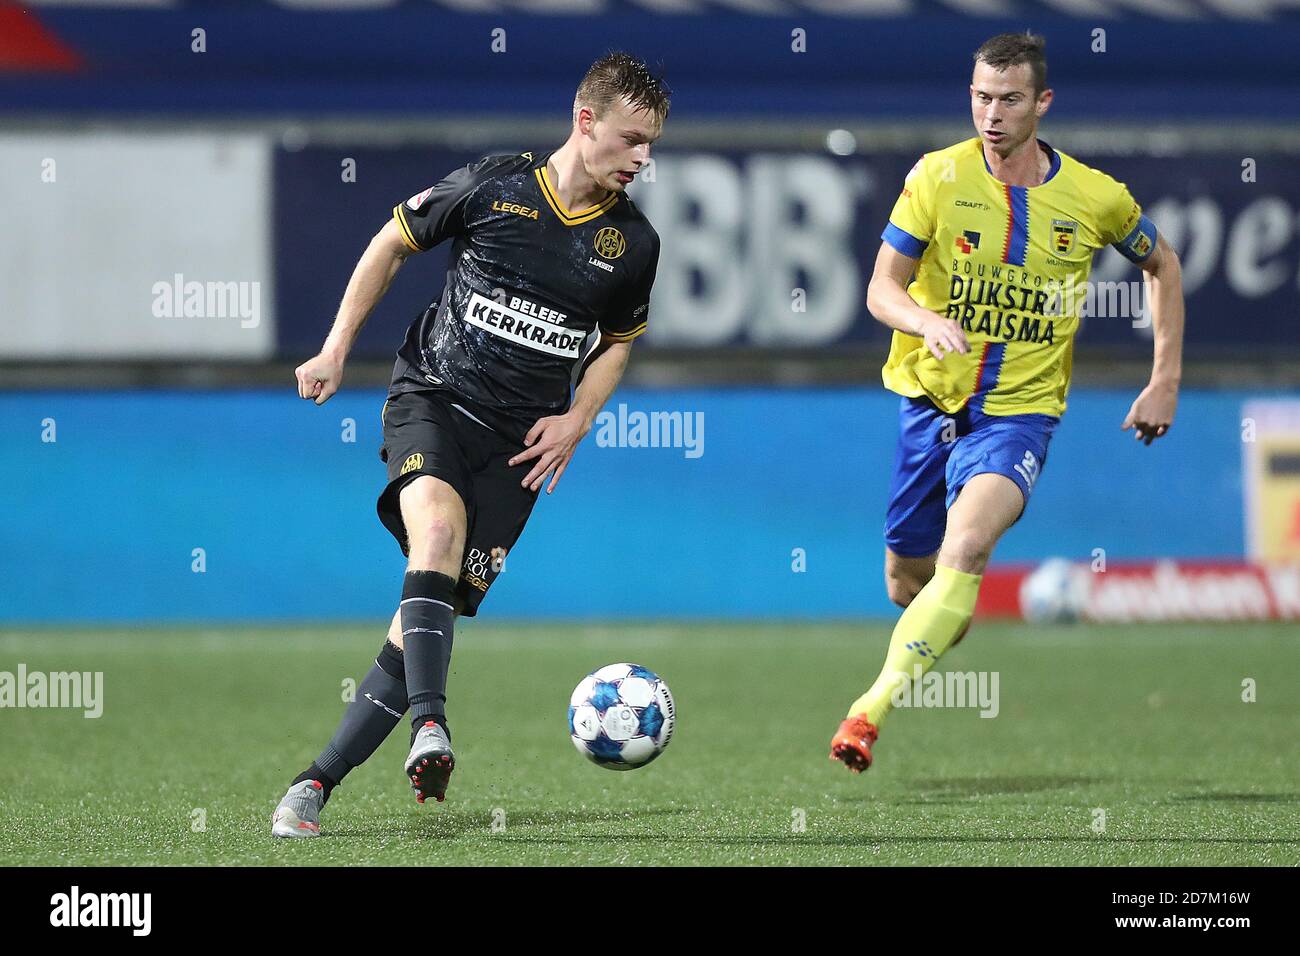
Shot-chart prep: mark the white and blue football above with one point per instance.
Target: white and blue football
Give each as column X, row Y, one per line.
column 621, row 716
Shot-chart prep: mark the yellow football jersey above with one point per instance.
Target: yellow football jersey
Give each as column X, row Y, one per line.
column 1010, row 263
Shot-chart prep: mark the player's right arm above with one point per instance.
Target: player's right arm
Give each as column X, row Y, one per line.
column 320, row 377
column 909, row 231
column 420, row 223
column 888, row 301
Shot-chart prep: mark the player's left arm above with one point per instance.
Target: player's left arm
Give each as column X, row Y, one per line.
column 552, row 441
column 1152, row 412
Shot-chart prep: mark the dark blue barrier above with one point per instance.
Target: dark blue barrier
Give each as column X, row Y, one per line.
column 101, row 525
column 424, row 58
column 1239, row 239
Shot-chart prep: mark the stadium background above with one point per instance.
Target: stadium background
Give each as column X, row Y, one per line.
column 162, row 461
column 177, row 522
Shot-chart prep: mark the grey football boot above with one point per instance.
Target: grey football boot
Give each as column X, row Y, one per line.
column 430, row 762
column 298, row 813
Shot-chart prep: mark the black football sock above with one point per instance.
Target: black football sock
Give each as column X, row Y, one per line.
column 428, row 614
column 367, row 722
column 440, row 719
column 314, row 772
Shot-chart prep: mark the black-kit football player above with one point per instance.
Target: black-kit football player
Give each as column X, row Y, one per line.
column 547, row 285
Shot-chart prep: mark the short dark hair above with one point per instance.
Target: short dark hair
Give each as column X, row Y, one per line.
column 1011, row 49
column 617, row 75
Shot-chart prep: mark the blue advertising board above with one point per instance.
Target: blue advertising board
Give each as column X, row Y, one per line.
column 252, row 506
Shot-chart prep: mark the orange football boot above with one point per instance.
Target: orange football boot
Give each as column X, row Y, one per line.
column 851, row 744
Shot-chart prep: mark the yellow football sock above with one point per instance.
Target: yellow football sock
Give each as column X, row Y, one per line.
column 927, row 628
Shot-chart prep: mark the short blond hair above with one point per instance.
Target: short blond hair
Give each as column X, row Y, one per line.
column 617, row 76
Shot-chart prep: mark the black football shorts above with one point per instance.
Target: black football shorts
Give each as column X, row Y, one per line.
column 425, row 435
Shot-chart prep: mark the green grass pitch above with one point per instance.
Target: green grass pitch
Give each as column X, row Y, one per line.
column 1145, row 723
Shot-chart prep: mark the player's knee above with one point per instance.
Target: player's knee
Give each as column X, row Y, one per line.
column 902, row 588
column 432, row 538
column 899, row 592
column 967, row 551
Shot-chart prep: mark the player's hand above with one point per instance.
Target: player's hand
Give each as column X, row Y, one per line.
column 943, row 335
column 1152, row 412
column 319, row 378
column 551, row 442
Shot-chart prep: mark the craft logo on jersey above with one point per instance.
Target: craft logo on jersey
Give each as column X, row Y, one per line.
column 514, row 207
column 416, row 201
column 414, row 463
column 1063, row 233
column 968, row 242
column 610, row 243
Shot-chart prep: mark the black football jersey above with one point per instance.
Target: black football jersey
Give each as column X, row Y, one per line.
column 531, row 289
